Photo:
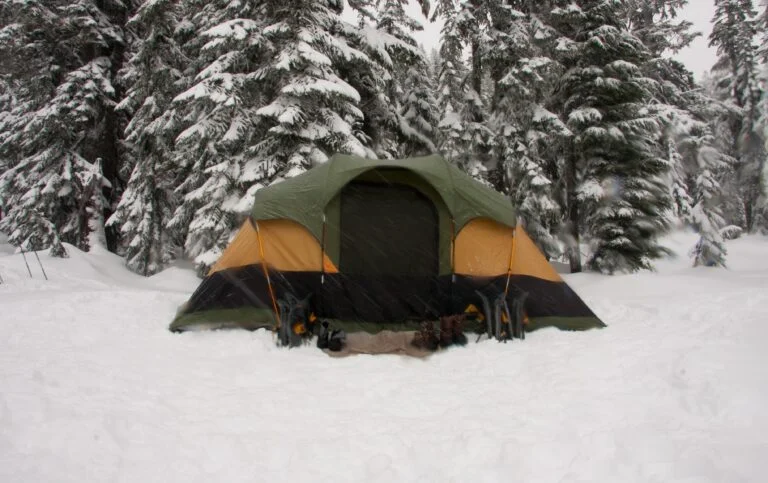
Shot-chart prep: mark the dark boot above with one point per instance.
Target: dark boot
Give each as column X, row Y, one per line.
column 323, row 335
column 426, row 337
column 446, row 330
column 457, row 331
column 336, row 340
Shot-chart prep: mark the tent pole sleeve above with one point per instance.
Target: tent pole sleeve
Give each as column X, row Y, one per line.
column 453, row 259
column 322, row 251
column 453, row 249
column 266, row 273
column 511, row 259
column 322, row 265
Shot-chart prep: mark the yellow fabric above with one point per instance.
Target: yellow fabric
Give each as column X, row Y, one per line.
column 266, row 276
column 242, row 250
column 483, row 248
column 287, row 246
column 528, row 260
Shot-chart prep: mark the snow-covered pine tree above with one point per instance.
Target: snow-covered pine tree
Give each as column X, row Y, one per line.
column 477, row 139
column 218, row 111
column 735, row 36
column 450, row 82
column 693, row 152
column 762, row 27
column 67, row 54
column 763, row 115
column 682, row 202
column 387, row 39
column 411, row 85
column 614, row 174
column 155, row 76
column 466, row 138
column 268, row 102
column 7, row 120
column 370, row 79
column 705, row 214
column 657, row 24
column 697, row 169
column 527, row 133
column 313, row 112
column 419, row 111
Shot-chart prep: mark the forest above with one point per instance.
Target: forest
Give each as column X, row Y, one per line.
column 147, row 127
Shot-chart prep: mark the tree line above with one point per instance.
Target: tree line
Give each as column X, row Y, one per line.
column 148, row 126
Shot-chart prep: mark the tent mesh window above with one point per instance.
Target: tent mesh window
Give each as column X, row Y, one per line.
column 388, row 229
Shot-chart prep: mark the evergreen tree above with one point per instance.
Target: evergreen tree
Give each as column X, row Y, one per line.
column 735, row 36
column 682, row 202
column 477, row 140
column 411, row 84
column 218, row 113
column 528, row 134
column 466, row 138
column 314, row 112
column 268, row 102
column 419, row 111
column 657, row 25
column 64, row 128
column 390, row 87
column 699, row 166
column 155, row 77
column 613, row 171
column 710, row 249
column 762, row 217
column 450, row 82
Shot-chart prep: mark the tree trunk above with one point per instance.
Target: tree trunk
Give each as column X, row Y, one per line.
column 113, row 132
column 477, row 68
column 572, row 203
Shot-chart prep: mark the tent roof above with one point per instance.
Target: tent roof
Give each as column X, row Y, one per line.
column 304, row 198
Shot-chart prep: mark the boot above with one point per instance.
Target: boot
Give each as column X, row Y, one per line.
column 457, row 331
column 447, row 323
column 426, row 337
column 336, row 340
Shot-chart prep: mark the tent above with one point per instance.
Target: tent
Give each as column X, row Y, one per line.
column 380, row 245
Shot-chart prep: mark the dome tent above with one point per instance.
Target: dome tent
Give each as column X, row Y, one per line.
column 380, row 245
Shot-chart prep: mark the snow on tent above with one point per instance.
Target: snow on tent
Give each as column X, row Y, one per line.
column 380, row 247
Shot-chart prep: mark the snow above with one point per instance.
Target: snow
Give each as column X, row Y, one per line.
column 585, row 115
column 94, row 388
column 324, row 87
column 237, row 29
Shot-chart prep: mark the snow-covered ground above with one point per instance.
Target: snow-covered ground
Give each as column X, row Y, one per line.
column 94, row 388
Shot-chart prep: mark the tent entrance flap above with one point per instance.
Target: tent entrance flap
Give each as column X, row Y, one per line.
column 389, row 253
column 388, row 229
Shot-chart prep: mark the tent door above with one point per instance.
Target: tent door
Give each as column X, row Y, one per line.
column 389, row 250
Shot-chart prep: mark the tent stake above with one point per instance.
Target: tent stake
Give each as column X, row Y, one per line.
column 41, row 264
column 25, row 261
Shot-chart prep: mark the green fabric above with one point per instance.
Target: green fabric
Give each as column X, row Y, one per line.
column 249, row 318
column 305, row 197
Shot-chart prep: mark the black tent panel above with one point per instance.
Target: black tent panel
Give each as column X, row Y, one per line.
column 388, row 229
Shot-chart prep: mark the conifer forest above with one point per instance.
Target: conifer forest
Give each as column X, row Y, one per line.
column 147, row 126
